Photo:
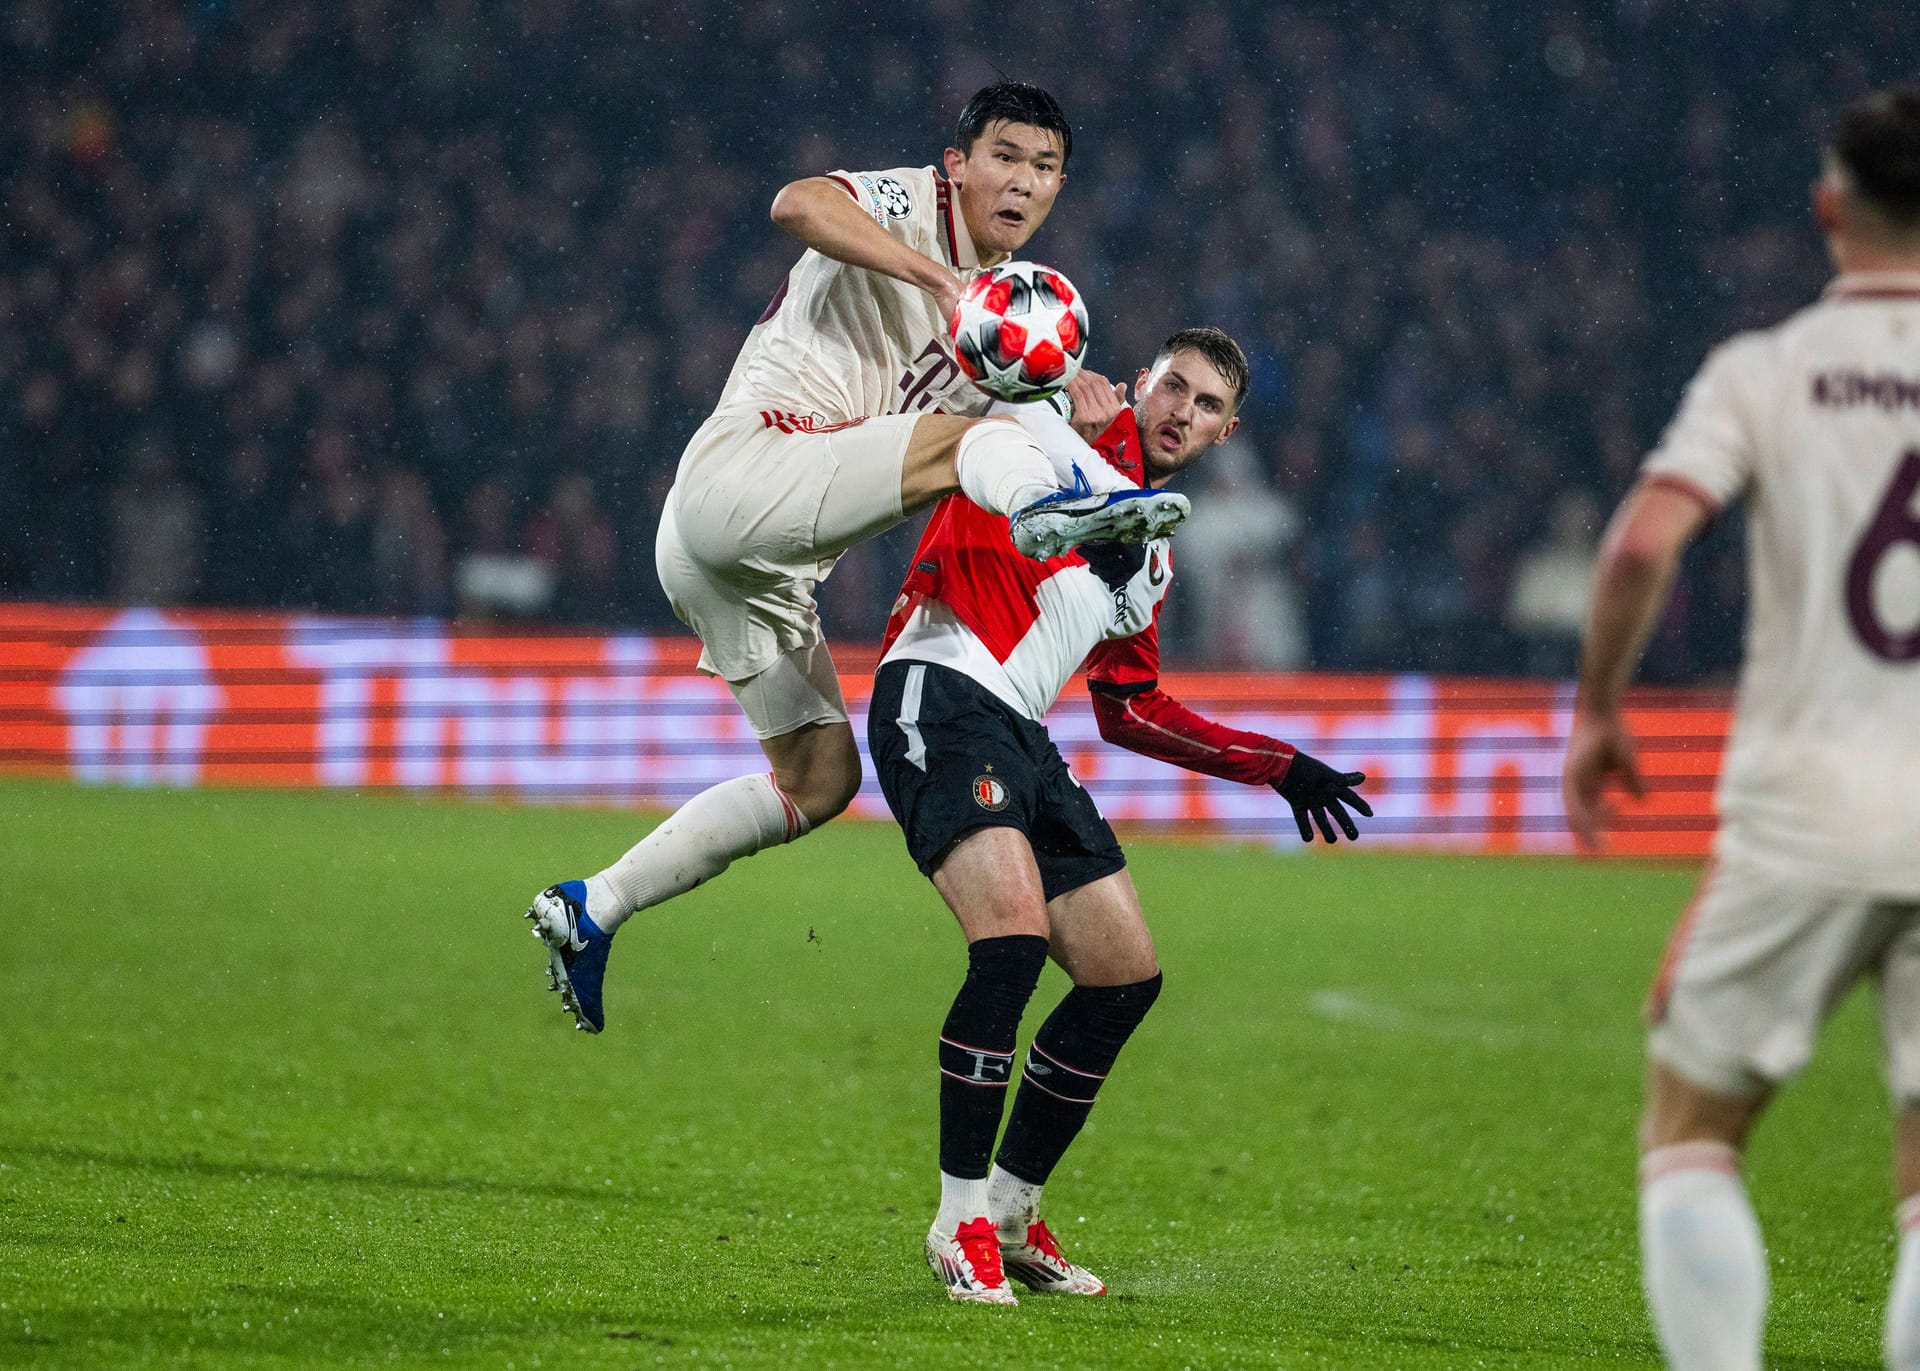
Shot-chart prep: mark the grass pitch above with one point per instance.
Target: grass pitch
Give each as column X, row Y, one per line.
column 279, row 1087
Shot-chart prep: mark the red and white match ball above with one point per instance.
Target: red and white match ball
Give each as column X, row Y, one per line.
column 1020, row 331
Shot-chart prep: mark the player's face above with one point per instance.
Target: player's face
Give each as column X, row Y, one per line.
column 1006, row 182
column 1183, row 406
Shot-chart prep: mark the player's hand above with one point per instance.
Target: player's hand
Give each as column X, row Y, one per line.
column 1315, row 789
column 1599, row 749
column 1097, row 402
column 946, row 294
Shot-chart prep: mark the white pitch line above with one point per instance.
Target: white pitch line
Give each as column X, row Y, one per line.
column 1346, row 1007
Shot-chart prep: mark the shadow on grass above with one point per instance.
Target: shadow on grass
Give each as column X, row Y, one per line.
column 192, row 1164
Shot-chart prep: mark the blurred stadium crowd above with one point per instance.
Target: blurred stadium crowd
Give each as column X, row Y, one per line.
column 409, row 308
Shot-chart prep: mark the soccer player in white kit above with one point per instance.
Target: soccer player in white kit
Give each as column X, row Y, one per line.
column 844, row 413
column 1815, row 882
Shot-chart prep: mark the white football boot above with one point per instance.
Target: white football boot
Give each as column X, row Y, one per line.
column 1035, row 1261
column 967, row 1261
column 1060, row 522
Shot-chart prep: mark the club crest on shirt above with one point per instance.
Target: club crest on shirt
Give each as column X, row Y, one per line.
column 989, row 794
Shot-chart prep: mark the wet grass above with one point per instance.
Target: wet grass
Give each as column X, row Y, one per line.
column 280, row 1088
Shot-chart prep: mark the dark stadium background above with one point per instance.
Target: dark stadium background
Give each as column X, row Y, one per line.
column 305, row 305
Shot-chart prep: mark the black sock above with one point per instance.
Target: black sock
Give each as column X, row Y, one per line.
column 1071, row 1054
column 976, row 1048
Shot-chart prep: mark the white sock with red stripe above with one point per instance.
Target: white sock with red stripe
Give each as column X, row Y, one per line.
column 1903, row 1302
column 1002, row 469
column 698, row 841
column 1701, row 1257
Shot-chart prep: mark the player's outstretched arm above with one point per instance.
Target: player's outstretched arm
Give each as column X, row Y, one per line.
column 819, row 212
column 1132, row 711
column 1639, row 558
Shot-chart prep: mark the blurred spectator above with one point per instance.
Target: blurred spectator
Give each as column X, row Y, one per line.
column 495, row 577
column 574, row 538
column 1245, row 610
column 1547, row 602
column 409, row 547
column 158, row 524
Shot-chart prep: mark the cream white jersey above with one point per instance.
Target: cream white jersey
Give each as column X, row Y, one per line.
column 841, row 343
column 1815, row 423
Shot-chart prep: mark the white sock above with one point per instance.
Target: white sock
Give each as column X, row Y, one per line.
column 1903, row 1302
column 1702, row 1261
column 1065, row 450
column 698, row 841
column 1002, row 469
column 960, row 1201
column 1012, row 1204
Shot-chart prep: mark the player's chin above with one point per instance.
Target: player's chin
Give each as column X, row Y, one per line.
column 1010, row 235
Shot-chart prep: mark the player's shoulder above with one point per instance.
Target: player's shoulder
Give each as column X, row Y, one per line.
column 895, row 193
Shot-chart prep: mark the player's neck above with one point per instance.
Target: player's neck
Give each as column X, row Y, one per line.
column 1856, row 257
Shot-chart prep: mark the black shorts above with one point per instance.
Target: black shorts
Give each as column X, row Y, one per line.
column 953, row 758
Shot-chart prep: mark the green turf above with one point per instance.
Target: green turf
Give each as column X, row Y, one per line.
column 282, row 1088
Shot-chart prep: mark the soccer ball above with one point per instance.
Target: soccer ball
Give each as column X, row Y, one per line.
column 1020, row 331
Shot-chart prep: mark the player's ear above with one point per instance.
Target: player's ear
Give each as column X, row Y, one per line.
column 953, row 159
column 1826, row 206
column 1140, row 384
column 1226, row 430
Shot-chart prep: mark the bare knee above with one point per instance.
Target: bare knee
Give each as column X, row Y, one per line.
column 818, row 769
column 1678, row 1110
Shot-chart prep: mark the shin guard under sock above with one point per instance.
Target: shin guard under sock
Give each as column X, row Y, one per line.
column 1071, row 1054
column 976, row 1048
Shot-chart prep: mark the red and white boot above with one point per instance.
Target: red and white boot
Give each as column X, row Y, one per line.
column 968, row 1262
column 1035, row 1261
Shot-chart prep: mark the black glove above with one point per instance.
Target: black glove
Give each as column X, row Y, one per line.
column 1312, row 788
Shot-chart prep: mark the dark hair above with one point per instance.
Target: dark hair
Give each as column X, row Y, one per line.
column 1218, row 347
column 1877, row 143
column 1015, row 102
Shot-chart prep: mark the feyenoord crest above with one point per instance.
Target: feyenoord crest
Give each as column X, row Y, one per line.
column 989, row 794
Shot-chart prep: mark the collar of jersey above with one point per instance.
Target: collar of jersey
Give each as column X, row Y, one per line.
column 1874, row 285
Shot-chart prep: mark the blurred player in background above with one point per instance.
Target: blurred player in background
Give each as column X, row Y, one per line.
column 981, row 642
column 844, row 413
column 1815, row 882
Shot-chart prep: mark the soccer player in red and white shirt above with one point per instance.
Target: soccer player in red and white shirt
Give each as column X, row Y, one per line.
column 1815, row 883
column 980, row 645
column 844, row 412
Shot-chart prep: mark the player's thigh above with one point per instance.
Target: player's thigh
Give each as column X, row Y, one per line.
column 865, row 495
column 747, row 620
column 931, row 466
column 989, row 880
column 1098, row 933
column 1755, row 967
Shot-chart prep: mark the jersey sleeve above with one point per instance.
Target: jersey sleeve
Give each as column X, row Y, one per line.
column 1709, row 449
column 1123, row 676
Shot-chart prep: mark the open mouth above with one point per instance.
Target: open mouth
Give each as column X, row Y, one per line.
column 1012, row 218
column 1170, row 437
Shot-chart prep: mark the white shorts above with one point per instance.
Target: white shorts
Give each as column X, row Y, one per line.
column 759, row 511
column 1757, row 964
